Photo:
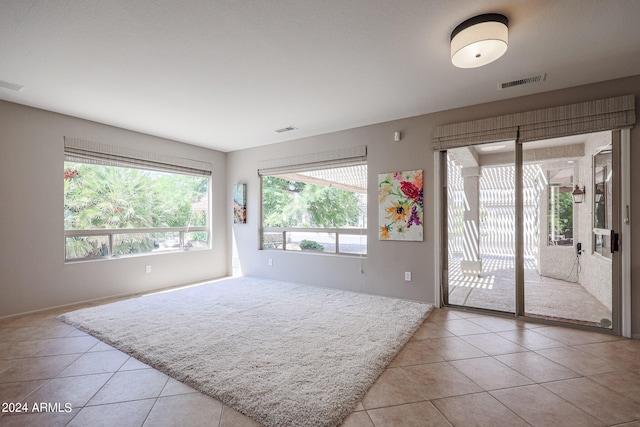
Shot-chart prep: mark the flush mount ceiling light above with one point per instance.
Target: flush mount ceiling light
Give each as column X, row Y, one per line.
column 479, row 40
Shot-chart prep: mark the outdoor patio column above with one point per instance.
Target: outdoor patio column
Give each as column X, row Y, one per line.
column 471, row 264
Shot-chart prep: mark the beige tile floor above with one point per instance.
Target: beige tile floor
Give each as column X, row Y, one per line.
column 460, row 368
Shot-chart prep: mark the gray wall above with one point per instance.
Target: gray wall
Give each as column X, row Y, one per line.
column 382, row 272
column 33, row 274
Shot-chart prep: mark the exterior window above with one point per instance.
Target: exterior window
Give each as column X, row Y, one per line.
column 318, row 211
column 112, row 211
column 560, row 216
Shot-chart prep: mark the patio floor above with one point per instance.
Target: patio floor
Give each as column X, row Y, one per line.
column 552, row 298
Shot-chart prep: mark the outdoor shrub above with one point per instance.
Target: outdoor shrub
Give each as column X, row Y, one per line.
column 311, row 245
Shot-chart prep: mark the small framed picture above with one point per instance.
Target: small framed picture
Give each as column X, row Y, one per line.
column 240, row 203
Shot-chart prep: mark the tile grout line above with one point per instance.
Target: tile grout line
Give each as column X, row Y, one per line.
column 508, row 367
column 155, row 400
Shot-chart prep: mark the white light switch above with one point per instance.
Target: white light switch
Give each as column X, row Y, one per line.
column 407, row 276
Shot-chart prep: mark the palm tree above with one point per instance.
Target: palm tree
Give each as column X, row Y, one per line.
column 107, row 197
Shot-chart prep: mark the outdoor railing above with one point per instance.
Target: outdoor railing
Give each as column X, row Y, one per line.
column 109, row 233
column 329, row 238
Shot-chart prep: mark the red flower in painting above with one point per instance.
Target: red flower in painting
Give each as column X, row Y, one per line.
column 410, row 190
column 70, row 173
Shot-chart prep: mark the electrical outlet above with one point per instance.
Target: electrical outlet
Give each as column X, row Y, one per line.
column 270, row 262
column 407, row 276
column 147, row 269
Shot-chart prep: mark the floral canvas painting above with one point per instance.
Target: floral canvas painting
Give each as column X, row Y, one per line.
column 401, row 210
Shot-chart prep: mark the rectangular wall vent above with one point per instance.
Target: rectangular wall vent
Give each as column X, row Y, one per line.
column 287, row 129
column 11, row 86
column 526, row 81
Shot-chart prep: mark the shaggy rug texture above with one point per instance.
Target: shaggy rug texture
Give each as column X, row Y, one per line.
column 283, row 354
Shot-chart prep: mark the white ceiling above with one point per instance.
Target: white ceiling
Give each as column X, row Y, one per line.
column 227, row 74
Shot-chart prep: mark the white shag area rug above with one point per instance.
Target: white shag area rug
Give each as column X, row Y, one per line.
column 283, row 354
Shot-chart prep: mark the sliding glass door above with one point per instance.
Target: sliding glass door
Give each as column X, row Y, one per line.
column 559, row 261
column 480, row 218
column 574, row 255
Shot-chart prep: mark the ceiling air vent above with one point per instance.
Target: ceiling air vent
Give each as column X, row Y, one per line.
column 526, row 81
column 11, row 86
column 287, row 129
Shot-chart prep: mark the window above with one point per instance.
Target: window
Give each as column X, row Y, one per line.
column 319, row 209
column 117, row 207
column 560, row 214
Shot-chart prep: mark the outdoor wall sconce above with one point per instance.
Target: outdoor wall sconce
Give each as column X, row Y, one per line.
column 578, row 195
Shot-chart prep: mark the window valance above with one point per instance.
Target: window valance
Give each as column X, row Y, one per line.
column 585, row 117
column 350, row 156
column 97, row 153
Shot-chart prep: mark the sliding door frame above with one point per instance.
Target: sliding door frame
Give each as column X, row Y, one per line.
column 441, row 218
column 625, row 233
column 519, row 238
column 615, row 114
column 620, row 280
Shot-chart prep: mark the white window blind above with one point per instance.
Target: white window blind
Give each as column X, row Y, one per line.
column 83, row 151
column 585, row 117
column 351, row 156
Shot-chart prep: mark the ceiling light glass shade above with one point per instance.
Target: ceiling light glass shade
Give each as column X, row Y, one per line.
column 479, row 40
